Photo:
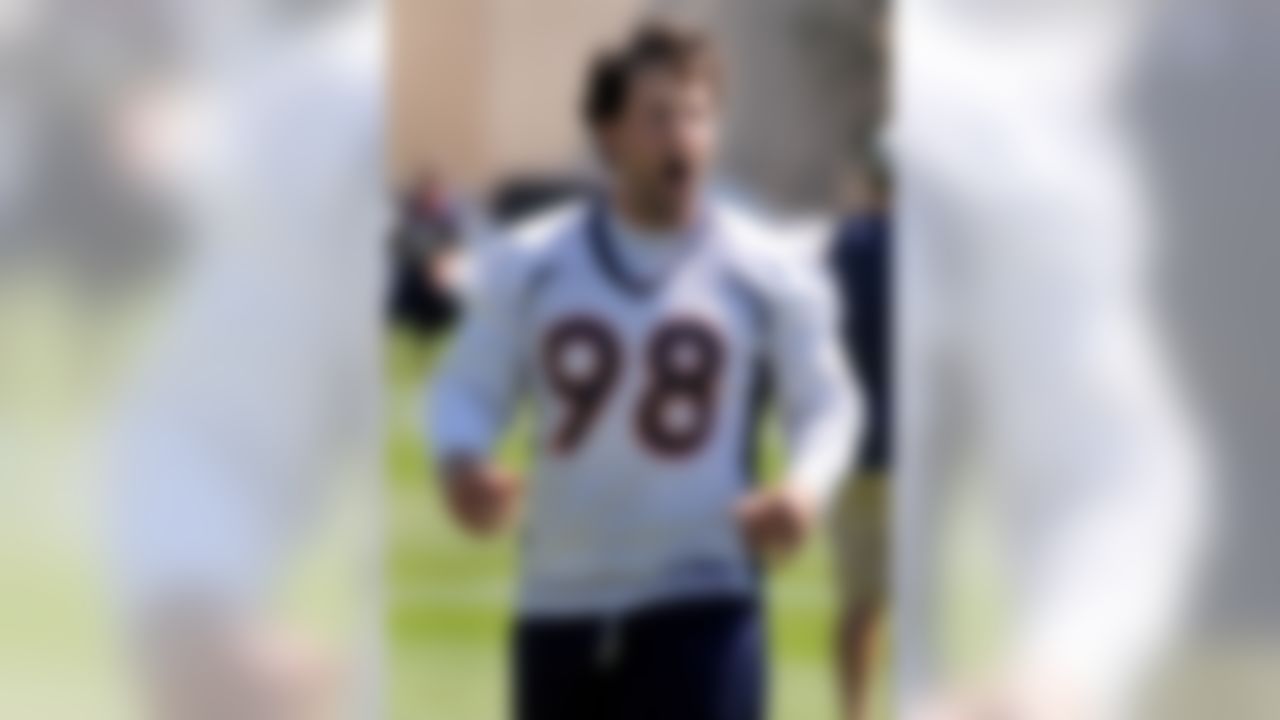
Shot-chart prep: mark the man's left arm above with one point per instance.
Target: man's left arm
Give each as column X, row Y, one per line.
column 821, row 411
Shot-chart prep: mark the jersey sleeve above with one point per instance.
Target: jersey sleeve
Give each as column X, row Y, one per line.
column 477, row 385
column 822, row 413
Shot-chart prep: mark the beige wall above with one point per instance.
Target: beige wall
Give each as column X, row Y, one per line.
column 437, row 65
column 482, row 88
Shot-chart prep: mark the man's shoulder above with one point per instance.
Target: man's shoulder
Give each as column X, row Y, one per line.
column 548, row 229
column 773, row 255
column 514, row 254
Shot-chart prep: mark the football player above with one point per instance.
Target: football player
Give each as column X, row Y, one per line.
column 644, row 327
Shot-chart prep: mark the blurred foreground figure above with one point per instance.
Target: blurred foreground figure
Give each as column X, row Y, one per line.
column 257, row 405
column 1030, row 359
column 1209, row 108
column 639, row 325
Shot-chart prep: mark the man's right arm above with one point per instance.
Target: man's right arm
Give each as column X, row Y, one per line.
column 474, row 392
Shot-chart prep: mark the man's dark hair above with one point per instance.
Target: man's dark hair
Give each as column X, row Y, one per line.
column 656, row 44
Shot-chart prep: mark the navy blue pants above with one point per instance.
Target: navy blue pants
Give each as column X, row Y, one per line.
column 702, row 660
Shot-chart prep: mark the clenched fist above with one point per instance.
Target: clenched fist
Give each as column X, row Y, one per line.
column 481, row 497
column 775, row 522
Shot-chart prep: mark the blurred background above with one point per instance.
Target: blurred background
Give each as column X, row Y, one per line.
column 485, row 93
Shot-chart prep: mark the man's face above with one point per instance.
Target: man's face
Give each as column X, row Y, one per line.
column 663, row 144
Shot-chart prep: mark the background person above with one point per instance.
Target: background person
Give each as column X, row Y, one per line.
column 861, row 261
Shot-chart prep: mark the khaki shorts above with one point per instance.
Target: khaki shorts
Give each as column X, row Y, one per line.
column 860, row 539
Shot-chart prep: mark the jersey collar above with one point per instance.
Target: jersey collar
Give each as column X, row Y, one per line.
column 604, row 249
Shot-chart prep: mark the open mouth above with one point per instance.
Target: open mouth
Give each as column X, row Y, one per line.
column 677, row 172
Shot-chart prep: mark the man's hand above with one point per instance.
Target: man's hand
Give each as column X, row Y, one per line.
column 1015, row 698
column 481, row 496
column 776, row 521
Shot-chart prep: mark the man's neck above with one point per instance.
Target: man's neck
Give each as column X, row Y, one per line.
column 649, row 218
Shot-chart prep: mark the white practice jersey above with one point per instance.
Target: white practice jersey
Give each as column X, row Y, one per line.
column 646, row 396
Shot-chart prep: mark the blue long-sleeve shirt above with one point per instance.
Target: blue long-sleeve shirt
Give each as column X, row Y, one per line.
column 861, row 261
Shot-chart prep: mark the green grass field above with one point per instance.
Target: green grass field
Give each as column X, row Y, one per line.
column 448, row 600
column 450, row 597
